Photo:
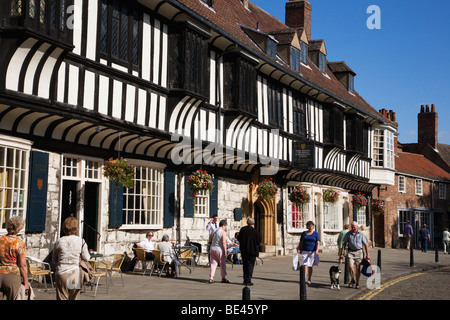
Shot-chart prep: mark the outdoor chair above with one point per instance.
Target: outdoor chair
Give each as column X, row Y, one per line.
column 187, row 255
column 140, row 256
column 114, row 265
column 37, row 268
column 100, row 270
column 158, row 262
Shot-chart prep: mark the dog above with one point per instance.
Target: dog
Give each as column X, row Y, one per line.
column 334, row 277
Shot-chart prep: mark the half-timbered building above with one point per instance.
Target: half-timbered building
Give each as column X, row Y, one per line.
column 176, row 86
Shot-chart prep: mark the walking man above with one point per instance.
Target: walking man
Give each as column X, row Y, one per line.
column 356, row 241
column 408, row 234
column 249, row 241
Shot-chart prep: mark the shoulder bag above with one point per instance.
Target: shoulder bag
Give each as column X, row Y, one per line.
column 86, row 270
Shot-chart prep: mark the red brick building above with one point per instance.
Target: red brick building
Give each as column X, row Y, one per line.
column 420, row 192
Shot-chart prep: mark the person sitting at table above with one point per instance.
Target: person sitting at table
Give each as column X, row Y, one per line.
column 233, row 247
column 167, row 254
column 148, row 245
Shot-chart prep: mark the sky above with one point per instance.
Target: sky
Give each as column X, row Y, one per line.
column 399, row 67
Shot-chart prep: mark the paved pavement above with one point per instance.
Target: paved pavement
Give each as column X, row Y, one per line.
column 273, row 280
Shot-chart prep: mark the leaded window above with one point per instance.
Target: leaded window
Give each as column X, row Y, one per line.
column 299, row 113
column 119, row 32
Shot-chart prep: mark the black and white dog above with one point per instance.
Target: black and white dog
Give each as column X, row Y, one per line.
column 334, row 277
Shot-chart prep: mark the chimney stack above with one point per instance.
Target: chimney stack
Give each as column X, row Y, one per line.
column 427, row 127
column 298, row 15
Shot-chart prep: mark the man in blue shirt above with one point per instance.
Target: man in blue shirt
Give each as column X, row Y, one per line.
column 408, row 232
column 356, row 241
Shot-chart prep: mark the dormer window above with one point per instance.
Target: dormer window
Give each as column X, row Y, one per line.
column 322, row 63
column 304, row 53
column 271, row 48
column 351, row 83
column 295, row 59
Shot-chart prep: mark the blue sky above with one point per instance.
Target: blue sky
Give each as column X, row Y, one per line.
column 399, row 67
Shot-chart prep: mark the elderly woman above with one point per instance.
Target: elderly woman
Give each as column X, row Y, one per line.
column 66, row 256
column 13, row 263
column 167, row 254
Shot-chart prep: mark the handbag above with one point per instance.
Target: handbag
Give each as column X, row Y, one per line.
column 86, row 270
column 295, row 262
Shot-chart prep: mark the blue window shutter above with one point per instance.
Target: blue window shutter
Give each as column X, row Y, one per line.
column 213, row 199
column 169, row 199
column 37, row 193
column 355, row 214
column 188, row 200
column 115, row 212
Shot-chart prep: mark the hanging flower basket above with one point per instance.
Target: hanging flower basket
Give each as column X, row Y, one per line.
column 120, row 171
column 378, row 207
column 359, row 200
column 267, row 190
column 299, row 196
column 200, row 180
column 330, row 195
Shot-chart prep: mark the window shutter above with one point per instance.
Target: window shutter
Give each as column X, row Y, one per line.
column 213, row 199
column 188, row 200
column 169, row 198
column 37, row 194
column 115, row 211
column 355, row 214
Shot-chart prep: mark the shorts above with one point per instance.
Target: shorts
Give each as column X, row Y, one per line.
column 355, row 257
column 309, row 258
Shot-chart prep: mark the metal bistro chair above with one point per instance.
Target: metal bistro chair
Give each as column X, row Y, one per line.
column 38, row 268
column 158, row 262
column 140, row 255
column 114, row 265
column 96, row 265
column 187, row 255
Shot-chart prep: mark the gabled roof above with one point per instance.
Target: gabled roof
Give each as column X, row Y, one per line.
column 340, row 66
column 230, row 15
column 418, row 165
column 317, row 45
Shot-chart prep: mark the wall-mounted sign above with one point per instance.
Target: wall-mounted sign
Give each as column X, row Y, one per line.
column 303, row 153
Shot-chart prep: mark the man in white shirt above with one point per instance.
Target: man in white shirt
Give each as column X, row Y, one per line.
column 213, row 224
column 148, row 245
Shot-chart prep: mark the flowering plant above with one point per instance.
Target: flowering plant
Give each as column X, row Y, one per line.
column 330, row 195
column 378, row 207
column 299, row 196
column 200, row 180
column 119, row 170
column 267, row 189
column 359, row 200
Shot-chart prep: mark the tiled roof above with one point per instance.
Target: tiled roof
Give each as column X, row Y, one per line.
column 418, row 165
column 229, row 15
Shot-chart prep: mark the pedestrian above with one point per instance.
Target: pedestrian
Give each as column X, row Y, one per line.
column 424, row 237
column 213, row 224
column 218, row 252
column 308, row 248
column 13, row 263
column 408, row 232
column 341, row 238
column 249, row 241
column 67, row 252
column 445, row 240
column 357, row 242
